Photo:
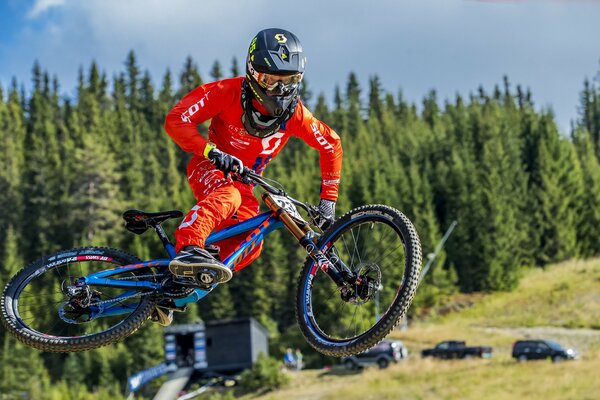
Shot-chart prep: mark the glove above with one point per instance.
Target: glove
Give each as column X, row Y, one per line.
column 327, row 213
column 225, row 162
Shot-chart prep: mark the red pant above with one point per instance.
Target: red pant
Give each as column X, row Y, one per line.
column 221, row 203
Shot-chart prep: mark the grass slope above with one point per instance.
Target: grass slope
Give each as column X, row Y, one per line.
column 561, row 302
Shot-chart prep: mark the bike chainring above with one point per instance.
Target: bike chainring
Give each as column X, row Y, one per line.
column 175, row 290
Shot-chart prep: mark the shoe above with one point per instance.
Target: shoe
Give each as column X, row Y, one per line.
column 197, row 263
column 162, row 316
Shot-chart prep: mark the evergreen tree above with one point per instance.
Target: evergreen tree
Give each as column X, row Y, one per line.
column 588, row 217
column 216, row 73
column 41, row 173
column 235, row 70
column 189, row 79
column 132, row 81
column 95, row 201
column 305, row 93
column 555, row 195
column 12, row 161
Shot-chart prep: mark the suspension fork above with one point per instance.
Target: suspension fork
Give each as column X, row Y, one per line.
column 336, row 270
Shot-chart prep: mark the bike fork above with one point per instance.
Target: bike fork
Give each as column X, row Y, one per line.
column 336, row 270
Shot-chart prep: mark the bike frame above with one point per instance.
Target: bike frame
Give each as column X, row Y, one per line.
column 259, row 227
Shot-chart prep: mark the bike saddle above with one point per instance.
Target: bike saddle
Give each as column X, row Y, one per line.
column 138, row 221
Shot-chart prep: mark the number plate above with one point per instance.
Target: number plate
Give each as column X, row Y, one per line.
column 288, row 206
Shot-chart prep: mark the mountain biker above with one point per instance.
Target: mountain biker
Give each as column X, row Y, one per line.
column 253, row 117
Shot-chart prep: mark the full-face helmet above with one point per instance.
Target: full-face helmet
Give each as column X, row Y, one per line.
column 274, row 70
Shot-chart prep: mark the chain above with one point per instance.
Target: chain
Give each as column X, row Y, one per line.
column 120, row 299
column 130, row 278
column 138, row 294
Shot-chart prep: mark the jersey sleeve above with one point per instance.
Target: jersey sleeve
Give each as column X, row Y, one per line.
column 200, row 105
column 321, row 137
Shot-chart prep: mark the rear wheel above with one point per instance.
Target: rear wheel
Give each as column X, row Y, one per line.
column 46, row 306
column 380, row 247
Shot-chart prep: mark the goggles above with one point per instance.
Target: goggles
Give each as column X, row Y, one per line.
column 270, row 81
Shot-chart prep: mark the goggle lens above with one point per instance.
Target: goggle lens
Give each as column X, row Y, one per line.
column 270, row 81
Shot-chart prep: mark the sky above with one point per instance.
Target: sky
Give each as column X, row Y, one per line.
column 413, row 46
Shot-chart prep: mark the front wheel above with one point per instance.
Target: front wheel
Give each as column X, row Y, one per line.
column 381, row 249
column 45, row 305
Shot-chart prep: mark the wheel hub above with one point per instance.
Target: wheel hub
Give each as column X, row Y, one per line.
column 77, row 309
column 366, row 283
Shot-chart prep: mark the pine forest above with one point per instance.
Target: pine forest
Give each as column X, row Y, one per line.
column 523, row 194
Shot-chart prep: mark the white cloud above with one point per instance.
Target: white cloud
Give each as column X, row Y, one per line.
column 449, row 45
column 41, row 6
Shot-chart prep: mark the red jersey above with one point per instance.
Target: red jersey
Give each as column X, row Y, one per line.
column 221, row 101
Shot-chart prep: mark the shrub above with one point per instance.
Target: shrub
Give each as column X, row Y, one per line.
column 266, row 374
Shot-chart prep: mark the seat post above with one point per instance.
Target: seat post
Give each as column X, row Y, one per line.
column 162, row 235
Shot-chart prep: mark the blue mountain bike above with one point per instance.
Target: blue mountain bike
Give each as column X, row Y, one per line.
column 358, row 280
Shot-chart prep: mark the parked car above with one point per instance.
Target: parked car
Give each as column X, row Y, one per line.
column 457, row 349
column 524, row 350
column 382, row 354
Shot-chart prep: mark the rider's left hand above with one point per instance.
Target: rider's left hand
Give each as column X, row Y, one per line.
column 327, row 211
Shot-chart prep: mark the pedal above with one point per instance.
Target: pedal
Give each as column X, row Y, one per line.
column 207, row 277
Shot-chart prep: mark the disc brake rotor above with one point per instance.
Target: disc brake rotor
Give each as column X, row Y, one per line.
column 366, row 285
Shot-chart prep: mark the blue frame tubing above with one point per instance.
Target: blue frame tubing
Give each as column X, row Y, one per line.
column 259, row 227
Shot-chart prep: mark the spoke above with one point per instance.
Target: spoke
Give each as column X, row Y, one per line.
column 57, row 270
column 365, row 241
column 388, row 253
column 38, row 306
column 120, row 302
column 356, row 240
column 381, row 242
column 52, row 327
column 69, row 272
column 353, row 318
column 65, row 327
column 355, row 244
column 39, row 295
column 351, row 266
column 392, row 261
column 340, row 308
column 333, row 288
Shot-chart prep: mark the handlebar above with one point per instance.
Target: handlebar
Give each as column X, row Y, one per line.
column 248, row 175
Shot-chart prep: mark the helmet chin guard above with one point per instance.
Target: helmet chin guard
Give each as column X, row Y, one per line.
column 258, row 124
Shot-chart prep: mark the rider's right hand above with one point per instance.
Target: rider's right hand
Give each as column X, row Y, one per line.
column 326, row 214
column 225, row 162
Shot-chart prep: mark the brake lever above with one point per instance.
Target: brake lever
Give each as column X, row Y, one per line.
column 241, row 176
column 314, row 214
